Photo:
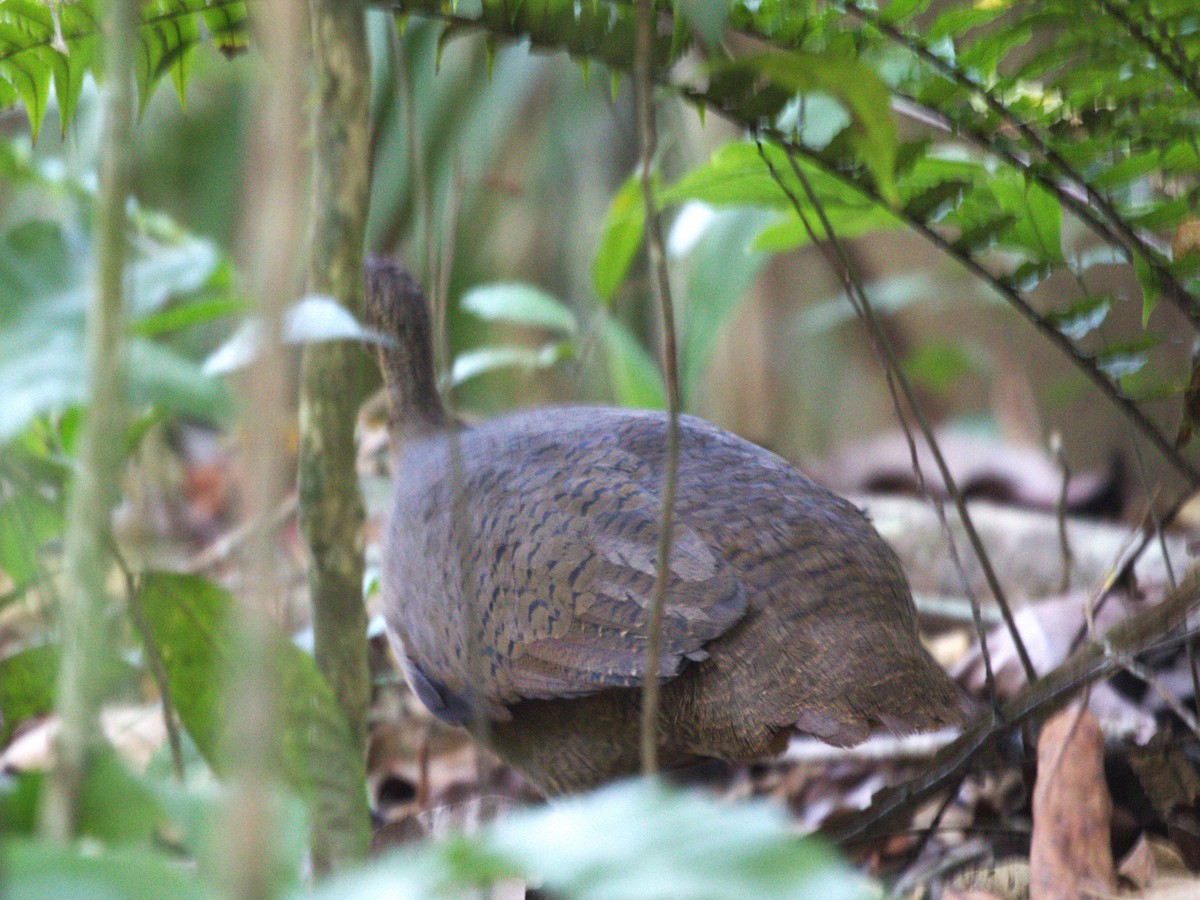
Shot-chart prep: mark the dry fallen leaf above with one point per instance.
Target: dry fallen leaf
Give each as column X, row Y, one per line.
column 1006, row 879
column 1070, row 855
column 135, row 732
column 1151, row 861
column 1165, row 774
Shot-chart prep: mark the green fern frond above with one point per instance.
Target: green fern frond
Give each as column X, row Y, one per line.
column 44, row 44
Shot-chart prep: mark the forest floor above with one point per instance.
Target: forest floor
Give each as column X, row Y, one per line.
column 1100, row 799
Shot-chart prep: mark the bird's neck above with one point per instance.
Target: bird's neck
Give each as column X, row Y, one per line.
column 396, row 308
column 415, row 407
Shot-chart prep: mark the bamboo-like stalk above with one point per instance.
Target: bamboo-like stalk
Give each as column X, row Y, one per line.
column 271, row 248
column 85, row 639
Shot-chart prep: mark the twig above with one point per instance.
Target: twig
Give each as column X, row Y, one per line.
column 643, row 87
column 85, row 644
column 858, row 298
column 1122, row 569
column 1060, row 512
column 1087, row 665
column 1151, row 508
column 1140, row 672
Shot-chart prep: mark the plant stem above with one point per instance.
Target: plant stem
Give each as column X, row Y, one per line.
column 1084, row 363
column 839, row 261
column 643, row 87
column 85, row 638
column 331, row 387
column 273, row 236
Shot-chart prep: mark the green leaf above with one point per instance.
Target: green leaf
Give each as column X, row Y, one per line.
column 186, row 315
column 162, row 377
column 633, row 375
column 27, row 60
column 720, row 270
column 1148, row 281
column 708, row 17
column 620, row 237
column 733, row 176
column 28, row 519
column 634, row 839
column 115, row 806
column 1121, row 360
column 1082, row 317
column 45, row 289
column 940, row 365
column 169, row 270
column 169, row 35
column 489, row 359
column 35, row 871
column 71, row 66
column 928, row 205
column 1038, row 223
column 40, row 42
column 190, row 621
column 227, row 26
column 865, row 96
column 898, row 10
column 519, row 304
column 27, row 686
column 737, row 176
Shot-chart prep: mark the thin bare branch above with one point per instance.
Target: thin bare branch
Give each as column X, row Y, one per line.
column 643, row 86
column 1087, row 665
column 839, row 261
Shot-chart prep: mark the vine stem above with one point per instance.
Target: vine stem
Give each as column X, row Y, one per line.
column 839, row 262
column 1086, row 365
column 643, row 87
column 85, row 636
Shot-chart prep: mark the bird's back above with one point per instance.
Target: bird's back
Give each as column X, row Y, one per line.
column 785, row 607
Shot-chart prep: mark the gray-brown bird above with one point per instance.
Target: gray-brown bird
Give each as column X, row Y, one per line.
column 785, row 611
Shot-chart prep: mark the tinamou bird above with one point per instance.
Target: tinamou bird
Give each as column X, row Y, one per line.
column 519, row 568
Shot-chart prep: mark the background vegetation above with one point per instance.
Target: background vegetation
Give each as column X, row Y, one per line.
column 1013, row 186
